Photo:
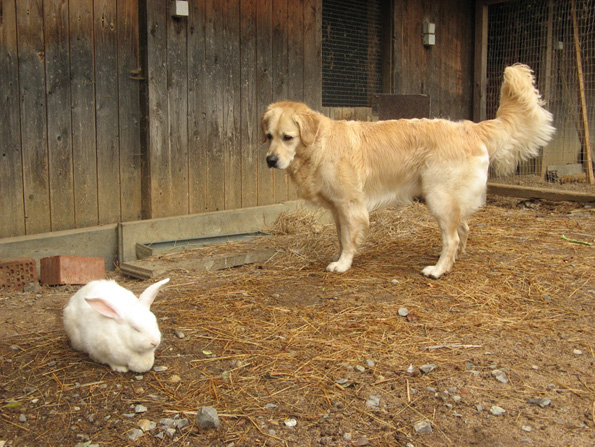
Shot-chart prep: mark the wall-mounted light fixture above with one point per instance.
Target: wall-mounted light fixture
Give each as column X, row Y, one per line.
column 179, row 8
column 429, row 34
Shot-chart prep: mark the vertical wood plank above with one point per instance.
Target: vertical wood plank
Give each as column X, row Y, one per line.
column 106, row 111
column 33, row 115
column 58, row 114
column 264, row 87
column 313, row 53
column 177, row 88
column 129, row 76
column 250, row 139
column 214, row 106
column 157, row 182
column 280, row 67
column 481, row 61
column 232, row 160
column 82, row 86
column 295, row 32
column 197, row 143
column 12, row 218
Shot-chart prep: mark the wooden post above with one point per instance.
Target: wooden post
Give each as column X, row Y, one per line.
column 581, row 86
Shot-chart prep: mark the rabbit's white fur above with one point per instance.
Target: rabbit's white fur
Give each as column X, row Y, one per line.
column 113, row 326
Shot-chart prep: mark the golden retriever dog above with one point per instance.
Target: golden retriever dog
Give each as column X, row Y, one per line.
column 353, row 167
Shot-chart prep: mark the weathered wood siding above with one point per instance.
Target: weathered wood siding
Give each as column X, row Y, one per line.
column 210, row 76
column 113, row 110
column 443, row 71
column 70, row 152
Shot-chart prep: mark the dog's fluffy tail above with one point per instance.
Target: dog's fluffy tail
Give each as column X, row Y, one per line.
column 521, row 125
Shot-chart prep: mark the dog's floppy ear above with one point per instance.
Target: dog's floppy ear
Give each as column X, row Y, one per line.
column 264, row 124
column 308, row 123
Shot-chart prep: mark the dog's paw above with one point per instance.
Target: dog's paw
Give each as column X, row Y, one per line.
column 338, row 267
column 431, row 271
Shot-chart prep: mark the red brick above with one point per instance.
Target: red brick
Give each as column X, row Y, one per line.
column 58, row 270
column 16, row 273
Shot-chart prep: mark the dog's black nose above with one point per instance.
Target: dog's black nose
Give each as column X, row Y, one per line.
column 272, row 161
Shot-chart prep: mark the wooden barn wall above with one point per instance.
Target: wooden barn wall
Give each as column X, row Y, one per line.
column 70, row 153
column 210, row 77
column 113, row 110
column 443, row 71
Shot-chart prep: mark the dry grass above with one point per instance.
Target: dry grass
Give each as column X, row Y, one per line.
column 286, row 339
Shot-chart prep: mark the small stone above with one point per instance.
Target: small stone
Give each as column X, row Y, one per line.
column 170, row 432
column 370, row 363
column 428, row 368
column 207, row 417
column 468, row 366
column 577, row 352
column 422, row 427
column 181, row 423
column 497, row 411
column 526, row 428
column 373, row 401
column 139, row 378
column 543, row 402
column 403, row 311
column 146, row 425
column 412, row 371
column 394, row 281
column 347, row 436
column 270, row 405
column 135, row 434
column 160, row 368
column 431, row 389
column 359, row 368
column 179, row 334
column 479, row 408
column 361, row 442
column 175, row 379
column 275, row 295
column 500, row 376
column 22, row 418
column 457, row 399
column 166, row 422
column 140, row 409
column 290, row 422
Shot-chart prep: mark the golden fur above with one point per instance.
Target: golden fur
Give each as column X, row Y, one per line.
column 353, row 167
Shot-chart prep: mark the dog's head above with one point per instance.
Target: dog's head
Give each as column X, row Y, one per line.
column 288, row 127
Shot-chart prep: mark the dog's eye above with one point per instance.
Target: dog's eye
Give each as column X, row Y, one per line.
column 269, row 136
column 287, row 138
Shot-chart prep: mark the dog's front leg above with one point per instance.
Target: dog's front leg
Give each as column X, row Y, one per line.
column 352, row 222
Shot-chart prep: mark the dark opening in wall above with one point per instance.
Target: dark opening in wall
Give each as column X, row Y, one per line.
column 351, row 52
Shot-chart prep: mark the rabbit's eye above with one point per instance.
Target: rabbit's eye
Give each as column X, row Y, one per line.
column 136, row 329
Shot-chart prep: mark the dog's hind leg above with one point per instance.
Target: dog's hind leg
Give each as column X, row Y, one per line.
column 463, row 231
column 352, row 223
column 450, row 227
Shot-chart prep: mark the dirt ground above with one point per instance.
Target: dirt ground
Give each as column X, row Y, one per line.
column 291, row 355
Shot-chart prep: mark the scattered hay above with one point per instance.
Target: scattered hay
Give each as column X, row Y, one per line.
column 285, row 339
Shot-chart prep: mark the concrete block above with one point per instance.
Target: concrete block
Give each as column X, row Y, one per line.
column 58, row 270
column 16, row 273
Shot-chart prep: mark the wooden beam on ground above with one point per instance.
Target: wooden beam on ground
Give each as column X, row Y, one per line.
column 525, row 192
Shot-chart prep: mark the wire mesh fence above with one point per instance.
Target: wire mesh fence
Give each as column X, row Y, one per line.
column 351, row 52
column 556, row 38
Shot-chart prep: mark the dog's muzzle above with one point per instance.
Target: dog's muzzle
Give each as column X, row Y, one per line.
column 272, row 161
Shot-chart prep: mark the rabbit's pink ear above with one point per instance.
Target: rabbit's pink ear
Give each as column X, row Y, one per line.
column 148, row 296
column 104, row 308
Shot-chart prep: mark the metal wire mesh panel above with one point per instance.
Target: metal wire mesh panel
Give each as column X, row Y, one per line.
column 351, row 52
column 544, row 35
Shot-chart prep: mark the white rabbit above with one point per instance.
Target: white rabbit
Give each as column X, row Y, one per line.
column 110, row 324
